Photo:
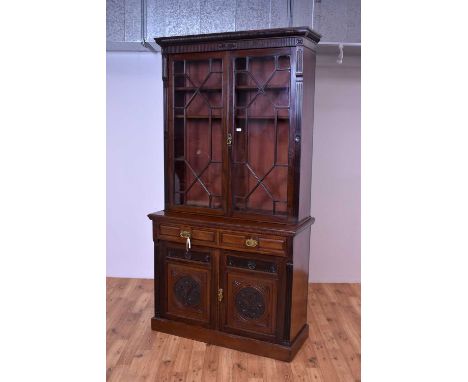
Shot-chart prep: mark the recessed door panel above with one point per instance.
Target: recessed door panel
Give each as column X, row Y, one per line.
column 188, row 285
column 250, row 296
column 261, row 121
column 196, row 124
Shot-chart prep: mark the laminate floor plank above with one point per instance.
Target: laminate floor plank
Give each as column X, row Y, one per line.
column 138, row 354
column 337, row 338
column 195, row 365
column 210, row 365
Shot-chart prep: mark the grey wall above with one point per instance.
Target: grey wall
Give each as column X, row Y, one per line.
column 209, row 16
column 135, row 175
column 336, row 20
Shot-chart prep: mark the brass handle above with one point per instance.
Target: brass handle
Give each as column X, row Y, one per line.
column 251, row 242
column 185, row 234
column 220, row 295
column 229, row 139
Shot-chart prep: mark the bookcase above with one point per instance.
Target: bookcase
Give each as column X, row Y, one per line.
column 232, row 244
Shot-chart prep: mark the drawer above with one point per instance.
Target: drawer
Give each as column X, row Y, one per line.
column 178, row 233
column 254, row 242
column 178, row 252
column 251, row 263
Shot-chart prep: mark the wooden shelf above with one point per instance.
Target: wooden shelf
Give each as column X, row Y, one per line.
column 238, row 87
column 268, row 87
column 191, row 88
column 199, row 116
column 258, row 117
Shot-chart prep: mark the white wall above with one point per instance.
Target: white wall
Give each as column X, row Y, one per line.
column 336, row 172
column 134, row 160
column 135, row 166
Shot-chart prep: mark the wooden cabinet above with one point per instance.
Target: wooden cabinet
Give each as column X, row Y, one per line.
column 250, row 289
column 232, row 244
column 187, row 286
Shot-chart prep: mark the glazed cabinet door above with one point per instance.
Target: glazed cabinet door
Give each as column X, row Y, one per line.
column 196, row 145
column 260, row 156
column 185, row 285
column 249, row 296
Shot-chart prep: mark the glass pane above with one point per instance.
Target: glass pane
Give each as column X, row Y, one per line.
column 283, row 62
column 241, row 63
column 261, row 68
column 282, row 142
column 261, row 153
column 261, row 134
column 197, row 112
column 179, row 146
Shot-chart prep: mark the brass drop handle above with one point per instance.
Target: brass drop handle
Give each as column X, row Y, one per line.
column 251, row 243
column 186, row 235
column 220, row 295
column 229, row 139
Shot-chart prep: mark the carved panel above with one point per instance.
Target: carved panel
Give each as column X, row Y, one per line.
column 250, row 303
column 299, row 93
column 187, row 291
column 242, row 44
column 299, row 62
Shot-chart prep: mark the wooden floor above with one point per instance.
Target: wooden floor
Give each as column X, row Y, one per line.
column 136, row 353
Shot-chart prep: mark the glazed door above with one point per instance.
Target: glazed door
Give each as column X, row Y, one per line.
column 260, row 157
column 186, row 286
column 249, row 295
column 197, row 132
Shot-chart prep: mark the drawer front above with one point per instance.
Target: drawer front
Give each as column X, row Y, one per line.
column 254, row 242
column 211, row 237
column 179, row 233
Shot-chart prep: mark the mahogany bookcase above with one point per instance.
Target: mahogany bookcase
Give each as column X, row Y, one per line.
column 232, row 244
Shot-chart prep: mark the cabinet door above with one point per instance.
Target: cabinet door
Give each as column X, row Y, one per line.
column 250, row 295
column 197, row 132
column 260, row 158
column 187, row 286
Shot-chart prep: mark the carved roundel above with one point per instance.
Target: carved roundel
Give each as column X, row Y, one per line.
column 250, row 303
column 187, row 291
